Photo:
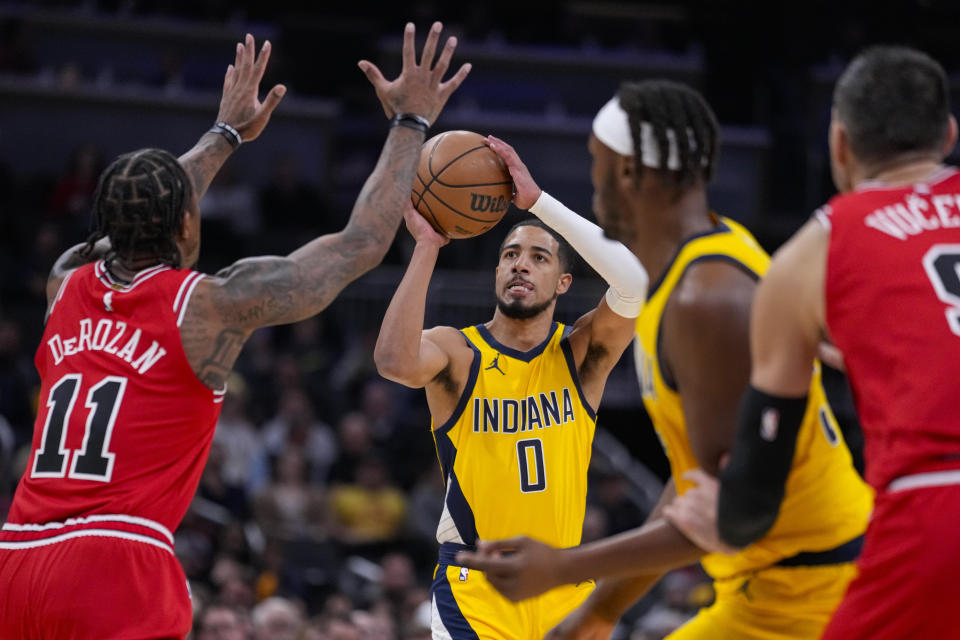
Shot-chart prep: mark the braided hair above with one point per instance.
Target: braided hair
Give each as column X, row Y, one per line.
column 139, row 204
column 667, row 105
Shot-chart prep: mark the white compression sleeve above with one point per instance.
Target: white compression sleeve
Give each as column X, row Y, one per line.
column 612, row 260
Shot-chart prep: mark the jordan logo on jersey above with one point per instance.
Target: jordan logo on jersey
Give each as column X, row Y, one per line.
column 496, row 365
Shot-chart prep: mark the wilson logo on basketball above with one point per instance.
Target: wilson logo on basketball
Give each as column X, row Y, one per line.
column 482, row 203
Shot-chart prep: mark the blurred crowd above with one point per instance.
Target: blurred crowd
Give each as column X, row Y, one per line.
column 316, row 514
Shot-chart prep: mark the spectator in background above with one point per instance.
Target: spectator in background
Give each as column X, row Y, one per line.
column 216, row 489
column 276, row 619
column 355, row 441
column 73, row 193
column 231, row 215
column 235, row 433
column 291, row 508
column 16, row 381
column 295, row 425
column 30, row 280
column 223, row 622
column 371, row 510
column 291, row 204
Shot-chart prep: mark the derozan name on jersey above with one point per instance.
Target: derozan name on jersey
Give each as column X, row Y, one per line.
column 110, row 337
column 915, row 215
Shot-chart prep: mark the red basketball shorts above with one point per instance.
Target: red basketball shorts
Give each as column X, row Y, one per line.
column 908, row 587
column 91, row 587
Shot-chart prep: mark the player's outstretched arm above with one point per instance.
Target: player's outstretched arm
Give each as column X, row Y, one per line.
column 597, row 616
column 787, row 323
column 599, row 337
column 239, row 108
column 405, row 353
column 521, row 567
column 258, row 292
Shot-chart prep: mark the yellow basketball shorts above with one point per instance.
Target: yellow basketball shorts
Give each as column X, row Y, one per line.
column 775, row 603
column 467, row 607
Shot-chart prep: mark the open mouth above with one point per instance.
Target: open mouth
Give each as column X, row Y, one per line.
column 519, row 286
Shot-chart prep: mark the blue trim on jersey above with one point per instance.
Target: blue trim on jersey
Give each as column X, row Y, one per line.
column 460, row 510
column 720, row 228
column 572, row 367
column 525, row 356
column 722, row 257
column 453, row 619
column 467, row 390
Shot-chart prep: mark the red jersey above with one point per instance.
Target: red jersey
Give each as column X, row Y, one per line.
column 124, row 425
column 893, row 309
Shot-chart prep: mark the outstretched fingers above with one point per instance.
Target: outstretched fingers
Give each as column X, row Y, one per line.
column 260, row 66
column 230, row 77
column 443, row 62
column 409, row 54
column 451, row 85
column 430, row 46
column 273, row 99
column 373, row 73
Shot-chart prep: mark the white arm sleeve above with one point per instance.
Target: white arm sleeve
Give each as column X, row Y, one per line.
column 612, row 260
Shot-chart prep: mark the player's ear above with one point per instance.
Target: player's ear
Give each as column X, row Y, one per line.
column 951, row 140
column 563, row 284
column 187, row 224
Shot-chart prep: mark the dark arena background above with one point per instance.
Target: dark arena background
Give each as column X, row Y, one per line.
column 310, row 437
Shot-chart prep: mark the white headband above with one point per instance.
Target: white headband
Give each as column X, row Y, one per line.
column 612, row 128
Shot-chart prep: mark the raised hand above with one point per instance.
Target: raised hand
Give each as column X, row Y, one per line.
column 240, row 106
column 418, row 89
column 421, row 230
column 529, row 568
column 695, row 512
column 526, row 190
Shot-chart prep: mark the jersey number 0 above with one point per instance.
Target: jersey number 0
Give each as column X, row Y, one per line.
column 93, row 461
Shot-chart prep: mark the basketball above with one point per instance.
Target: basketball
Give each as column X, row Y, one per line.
column 462, row 187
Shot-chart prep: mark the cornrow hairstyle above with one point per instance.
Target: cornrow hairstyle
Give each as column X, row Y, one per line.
column 667, row 105
column 565, row 253
column 893, row 100
column 139, row 205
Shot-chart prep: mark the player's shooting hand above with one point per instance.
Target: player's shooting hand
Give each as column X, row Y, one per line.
column 240, row 106
column 421, row 230
column 582, row 624
column 519, row 567
column 695, row 513
column 418, row 89
column 526, row 191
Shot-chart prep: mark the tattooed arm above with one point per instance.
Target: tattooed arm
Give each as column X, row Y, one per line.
column 255, row 292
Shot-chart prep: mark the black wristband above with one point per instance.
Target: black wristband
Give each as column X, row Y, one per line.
column 753, row 483
column 228, row 132
column 411, row 121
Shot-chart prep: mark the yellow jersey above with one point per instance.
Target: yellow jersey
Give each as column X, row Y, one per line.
column 826, row 502
column 515, row 451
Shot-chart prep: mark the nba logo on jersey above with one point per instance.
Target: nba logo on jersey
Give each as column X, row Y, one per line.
column 769, row 424
column 464, row 573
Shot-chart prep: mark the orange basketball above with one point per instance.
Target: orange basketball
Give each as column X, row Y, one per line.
column 462, row 187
